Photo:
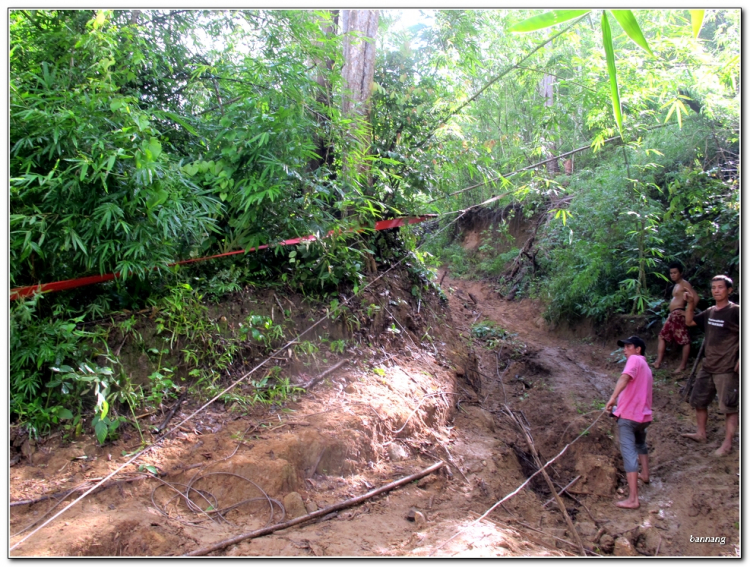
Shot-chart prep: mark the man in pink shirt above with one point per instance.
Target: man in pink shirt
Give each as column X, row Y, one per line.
column 631, row 402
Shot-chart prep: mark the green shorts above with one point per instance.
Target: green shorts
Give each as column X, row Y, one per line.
column 707, row 385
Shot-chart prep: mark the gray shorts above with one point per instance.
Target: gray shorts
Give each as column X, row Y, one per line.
column 632, row 442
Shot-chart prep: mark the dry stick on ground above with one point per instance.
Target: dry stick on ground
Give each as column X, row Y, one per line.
column 80, row 488
column 318, row 514
column 445, row 273
column 499, row 376
column 593, row 519
column 279, row 303
column 325, row 373
column 523, row 484
column 451, row 461
column 571, row 483
column 171, row 413
column 538, row 461
column 555, row 537
column 64, row 495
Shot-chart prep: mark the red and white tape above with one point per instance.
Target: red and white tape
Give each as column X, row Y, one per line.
column 29, row 290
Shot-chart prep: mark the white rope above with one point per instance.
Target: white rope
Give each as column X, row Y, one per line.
column 517, row 490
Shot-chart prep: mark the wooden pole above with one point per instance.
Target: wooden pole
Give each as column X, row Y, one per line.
column 571, row 483
column 317, row 514
column 552, row 488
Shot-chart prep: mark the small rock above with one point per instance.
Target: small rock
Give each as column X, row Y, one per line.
column 426, row 481
column 607, row 543
column 586, row 529
column 648, row 540
column 419, row 519
column 294, row 505
column 351, row 389
column 397, row 452
column 623, row 548
column 311, row 507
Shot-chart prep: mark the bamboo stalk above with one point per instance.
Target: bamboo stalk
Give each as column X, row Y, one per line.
column 319, row 513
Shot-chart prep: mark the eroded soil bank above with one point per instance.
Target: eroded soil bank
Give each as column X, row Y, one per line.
column 433, row 391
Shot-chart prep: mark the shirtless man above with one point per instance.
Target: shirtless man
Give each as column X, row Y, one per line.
column 720, row 371
column 674, row 328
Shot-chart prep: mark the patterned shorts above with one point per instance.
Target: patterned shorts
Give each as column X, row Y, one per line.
column 675, row 330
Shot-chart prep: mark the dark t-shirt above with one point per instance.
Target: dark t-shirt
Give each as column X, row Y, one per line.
column 722, row 328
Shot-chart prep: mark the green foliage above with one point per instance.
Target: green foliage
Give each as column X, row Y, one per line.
column 337, row 346
column 612, row 255
column 140, row 138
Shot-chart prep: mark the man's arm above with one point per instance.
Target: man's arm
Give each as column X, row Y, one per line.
column 691, row 290
column 689, row 308
column 619, row 387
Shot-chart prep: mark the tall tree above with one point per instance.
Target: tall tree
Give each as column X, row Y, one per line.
column 359, row 28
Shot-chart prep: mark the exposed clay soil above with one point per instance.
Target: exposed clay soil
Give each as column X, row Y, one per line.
column 439, row 397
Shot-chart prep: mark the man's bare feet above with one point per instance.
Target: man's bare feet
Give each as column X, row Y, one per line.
column 678, row 370
column 629, row 504
column 644, row 480
column 721, row 451
column 657, row 365
column 695, row 437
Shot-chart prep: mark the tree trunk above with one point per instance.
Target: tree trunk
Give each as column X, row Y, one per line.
column 323, row 145
column 547, row 90
column 360, row 29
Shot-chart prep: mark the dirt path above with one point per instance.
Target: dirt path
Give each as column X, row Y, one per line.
column 387, row 414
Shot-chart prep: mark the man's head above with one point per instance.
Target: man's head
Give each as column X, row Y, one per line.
column 675, row 270
column 721, row 287
column 633, row 345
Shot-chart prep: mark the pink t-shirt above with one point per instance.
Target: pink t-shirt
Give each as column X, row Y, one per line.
column 634, row 402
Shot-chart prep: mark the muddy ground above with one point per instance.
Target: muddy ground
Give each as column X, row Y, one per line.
column 396, row 407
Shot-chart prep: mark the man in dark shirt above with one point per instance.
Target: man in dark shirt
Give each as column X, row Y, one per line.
column 720, row 371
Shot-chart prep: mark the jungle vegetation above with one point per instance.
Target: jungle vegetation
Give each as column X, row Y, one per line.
column 142, row 138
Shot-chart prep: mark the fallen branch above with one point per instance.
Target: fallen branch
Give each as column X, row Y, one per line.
column 279, row 304
column 171, row 413
column 519, row 488
column 588, row 551
column 324, row 374
column 571, row 483
column 560, row 504
column 319, row 513
column 445, row 273
column 65, row 493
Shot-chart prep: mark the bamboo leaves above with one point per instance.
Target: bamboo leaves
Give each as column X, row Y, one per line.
column 696, row 20
column 625, row 18
column 612, row 71
column 546, row 20
column 628, row 22
column 676, row 105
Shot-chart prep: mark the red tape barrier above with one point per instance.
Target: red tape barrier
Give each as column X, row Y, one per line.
column 27, row 291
